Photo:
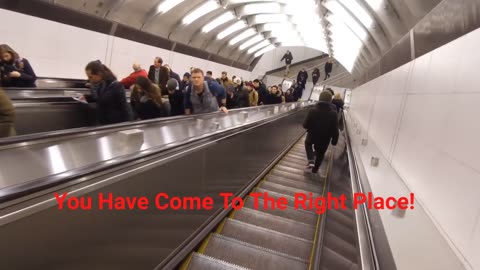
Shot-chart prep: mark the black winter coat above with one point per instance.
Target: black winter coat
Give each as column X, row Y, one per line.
column 27, row 78
column 321, row 124
column 112, row 104
column 177, row 106
column 273, row 98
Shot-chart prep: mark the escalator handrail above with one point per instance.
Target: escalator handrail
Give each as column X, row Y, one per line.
column 17, row 191
column 87, row 131
column 366, row 245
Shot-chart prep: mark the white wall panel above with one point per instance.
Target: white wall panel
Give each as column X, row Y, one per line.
column 426, row 110
column 53, row 49
column 62, row 51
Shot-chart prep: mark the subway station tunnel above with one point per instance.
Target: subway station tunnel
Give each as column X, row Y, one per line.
column 127, row 127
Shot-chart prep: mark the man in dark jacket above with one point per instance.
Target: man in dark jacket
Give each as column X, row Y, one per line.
column 159, row 75
column 288, row 57
column 175, row 97
column 315, row 76
column 302, row 78
column 322, row 127
column 262, row 91
column 185, row 82
column 328, row 69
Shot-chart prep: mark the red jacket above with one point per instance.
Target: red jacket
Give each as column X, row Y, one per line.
column 130, row 80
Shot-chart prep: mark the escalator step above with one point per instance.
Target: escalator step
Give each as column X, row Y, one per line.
column 268, row 239
column 293, row 176
column 251, row 256
column 295, row 184
column 340, row 246
column 343, row 219
column 289, row 169
column 200, row 262
column 276, row 223
column 333, row 260
column 284, row 189
column 293, row 165
column 340, row 230
column 289, row 213
column 314, row 181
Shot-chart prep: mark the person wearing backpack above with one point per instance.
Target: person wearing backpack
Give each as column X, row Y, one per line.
column 204, row 96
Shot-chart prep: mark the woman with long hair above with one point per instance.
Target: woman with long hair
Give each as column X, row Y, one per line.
column 146, row 100
column 15, row 71
column 108, row 93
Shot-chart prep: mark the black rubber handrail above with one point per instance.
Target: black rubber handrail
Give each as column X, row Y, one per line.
column 85, row 131
column 17, row 191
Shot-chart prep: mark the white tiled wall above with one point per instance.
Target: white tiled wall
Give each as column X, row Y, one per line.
column 62, row 51
column 421, row 121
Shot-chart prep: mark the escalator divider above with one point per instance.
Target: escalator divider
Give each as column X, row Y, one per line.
column 319, row 220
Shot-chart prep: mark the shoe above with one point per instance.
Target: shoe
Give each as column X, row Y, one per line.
column 310, row 165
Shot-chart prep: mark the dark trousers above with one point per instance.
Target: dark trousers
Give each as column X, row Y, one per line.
column 327, row 75
column 317, row 156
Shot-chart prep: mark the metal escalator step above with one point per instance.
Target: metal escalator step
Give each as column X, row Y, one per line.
column 268, row 239
column 291, row 191
column 289, row 213
column 340, row 230
column 276, row 223
column 297, row 161
column 276, row 195
column 333, row 260
column 293, row 165
column 201, row 262
column 335, row 215
column 295, row 184
column 309, row 181
column 293, row 176
column 340, row 246
column 296, row 157
column 251, row 256
column 289, row 169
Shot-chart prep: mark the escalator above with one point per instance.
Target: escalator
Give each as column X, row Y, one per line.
column 255, row 238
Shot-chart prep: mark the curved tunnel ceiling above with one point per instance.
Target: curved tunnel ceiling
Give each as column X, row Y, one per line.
column 355, row 32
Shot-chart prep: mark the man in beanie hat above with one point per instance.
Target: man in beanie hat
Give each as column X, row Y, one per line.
column 322, row 128
column 175, row 96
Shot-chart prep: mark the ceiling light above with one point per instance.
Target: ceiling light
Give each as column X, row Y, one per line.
column 231, row 29
column 351, row 23
column 269, row 18
column 209, row 6
column 261, row 8
column 258, row 46
column 246, row 34
column 166, row 5
column 228, row 16
column 358, row 11
column 264, row 50
column 250, row 42
column 375, row 4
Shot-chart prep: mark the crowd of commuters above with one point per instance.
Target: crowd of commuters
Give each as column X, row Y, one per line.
column 160, row 92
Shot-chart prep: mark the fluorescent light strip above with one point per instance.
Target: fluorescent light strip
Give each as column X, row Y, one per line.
column 208, row 7
column 269, row 18
column 264, row 50
column 250, row 42
column 231, row 29
column 258, row 46
column 262, row 8
column 228, row 16
column 234, row 2
column 351, row 23
column 166, row 5
column 358, row 11
column 375, row 4
column 246, row 34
